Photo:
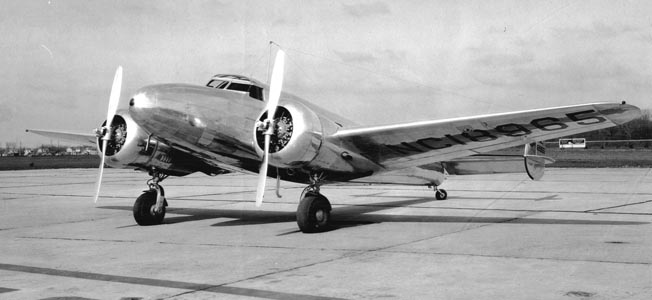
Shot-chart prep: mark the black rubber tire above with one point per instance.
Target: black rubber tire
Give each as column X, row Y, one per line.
column 143, row 210
column 441, row 194
column 314, row 213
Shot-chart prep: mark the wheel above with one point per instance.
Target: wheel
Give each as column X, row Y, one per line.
column 143, row 212
column 313, row 213
column 441, row 194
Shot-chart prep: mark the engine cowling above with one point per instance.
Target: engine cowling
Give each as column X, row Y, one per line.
column 297, row 137
column 132, row 147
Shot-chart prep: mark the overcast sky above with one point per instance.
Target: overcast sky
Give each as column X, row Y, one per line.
column 373, row 61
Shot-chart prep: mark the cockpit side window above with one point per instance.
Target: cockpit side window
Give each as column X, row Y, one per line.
column 256, row 92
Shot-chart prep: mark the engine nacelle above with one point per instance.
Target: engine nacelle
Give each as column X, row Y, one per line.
column 131, row 147
column 297, row 137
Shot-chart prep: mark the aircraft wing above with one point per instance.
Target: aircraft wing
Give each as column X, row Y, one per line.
column 420, row 143
column 82, row 138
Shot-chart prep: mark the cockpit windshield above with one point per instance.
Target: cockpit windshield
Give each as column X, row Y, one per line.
column 218, row 84
column 234, row 86
column 237, row 83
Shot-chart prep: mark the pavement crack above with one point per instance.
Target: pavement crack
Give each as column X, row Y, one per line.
column 523, row 257
column 74, row 239
column 619, row 206
column 260, row 247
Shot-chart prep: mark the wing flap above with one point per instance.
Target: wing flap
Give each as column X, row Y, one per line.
column 484, row 164
column 420, row 143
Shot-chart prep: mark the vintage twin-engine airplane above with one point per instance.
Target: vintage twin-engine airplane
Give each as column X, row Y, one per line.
column 225, row 126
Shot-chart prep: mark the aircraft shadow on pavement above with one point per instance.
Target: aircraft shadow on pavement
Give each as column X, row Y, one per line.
column 502, row 197
column 363, row 214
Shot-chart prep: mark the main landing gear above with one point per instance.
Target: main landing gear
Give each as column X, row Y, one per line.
column 149, row 208
column 314, row 211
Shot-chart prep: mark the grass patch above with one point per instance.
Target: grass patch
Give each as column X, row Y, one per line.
column 49, row 162
column 569, row 158
column 599, row 158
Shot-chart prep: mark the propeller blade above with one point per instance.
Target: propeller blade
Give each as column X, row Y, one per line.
column 275, row 86
column 262, row 175
column 114, row 100
column 98, row 183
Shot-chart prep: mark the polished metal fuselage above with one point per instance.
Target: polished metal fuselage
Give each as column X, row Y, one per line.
column 218, row 126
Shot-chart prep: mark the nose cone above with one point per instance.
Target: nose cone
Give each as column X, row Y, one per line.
column 152, row 106
column 157, row 104
column 142, row 101
column 176, row 111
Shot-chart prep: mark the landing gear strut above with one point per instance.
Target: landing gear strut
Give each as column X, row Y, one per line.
column 314, row 211
column 149, row 208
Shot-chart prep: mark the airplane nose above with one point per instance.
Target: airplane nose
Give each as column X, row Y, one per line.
column 143, row 107
column 142, row 100
column 158, row 107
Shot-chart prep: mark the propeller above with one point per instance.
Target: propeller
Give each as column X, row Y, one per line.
column 276, row 83
column 114, row 100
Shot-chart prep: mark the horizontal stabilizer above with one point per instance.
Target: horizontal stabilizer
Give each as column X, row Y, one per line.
column 88, row 139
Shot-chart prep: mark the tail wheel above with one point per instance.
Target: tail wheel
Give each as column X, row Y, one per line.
column 143, row 210
column 441, row 194
column 313, row 213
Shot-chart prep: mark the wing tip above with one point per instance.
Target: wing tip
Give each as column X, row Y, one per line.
column 619, row 113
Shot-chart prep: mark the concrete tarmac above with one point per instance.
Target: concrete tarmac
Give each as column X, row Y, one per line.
column 577, row 234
